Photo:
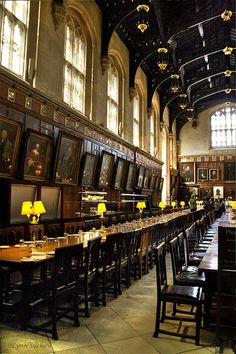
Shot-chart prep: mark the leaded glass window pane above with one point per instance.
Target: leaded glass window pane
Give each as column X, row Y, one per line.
column 223, row 128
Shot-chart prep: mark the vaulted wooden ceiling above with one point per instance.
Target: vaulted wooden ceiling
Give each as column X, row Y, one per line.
column 194, row 33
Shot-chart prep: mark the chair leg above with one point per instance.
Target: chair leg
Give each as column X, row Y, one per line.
column 86, row 300
column 157, row 325
column 54, row 319
column 198, row 323
column 104, row 290
column 163, row 315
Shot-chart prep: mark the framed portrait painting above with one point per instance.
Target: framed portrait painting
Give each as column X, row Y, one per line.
column 229, row 171
column 67, row 159
column 152, row 182
column 120, row 174
column 187, row 170
column 140, row 180
column 157, row 184
column 106, row 170
column 218, row 192
column 131, row 177
column 10, row 134
column 213, row 174
column 161, row 185
column 202, row 174
column 146, row 178
column 88, row 171
column 37, row 156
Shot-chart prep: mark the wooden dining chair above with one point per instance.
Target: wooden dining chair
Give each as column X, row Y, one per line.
column 177, row 295
column 12, row 235
column 88, row 279
column 109, row 266
column 59, row 289
column 124, row 260
column 181, row 274
column 73, row 227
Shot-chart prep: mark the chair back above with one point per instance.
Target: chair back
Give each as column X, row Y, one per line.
column 53, row 230
column 135, row 242
column 177, row 262
column 38, row 230
column 66, row 265
column 183, row 249
column 125, row 245
column 92, row 254
column 73, row 227
column 160, row 262
column 191, row 238
column 111, row 250
column 12, row 235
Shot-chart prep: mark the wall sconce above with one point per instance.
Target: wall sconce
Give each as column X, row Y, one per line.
column 226, row 15
column 140, row 206
column 33, row 212
column 142, row 23
column 101, row 209
column 162, row 61
column 174, row 87
column 183, row 100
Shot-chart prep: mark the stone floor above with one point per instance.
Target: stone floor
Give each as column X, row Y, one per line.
column 124, row 326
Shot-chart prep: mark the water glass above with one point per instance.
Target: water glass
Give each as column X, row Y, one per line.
column 22, row 242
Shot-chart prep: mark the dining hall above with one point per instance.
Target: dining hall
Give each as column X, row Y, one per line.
column 117, row 176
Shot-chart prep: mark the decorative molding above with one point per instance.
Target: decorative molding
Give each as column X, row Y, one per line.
column 58, row 14
column 105, row 62
column 11, row 95
column 28, row 102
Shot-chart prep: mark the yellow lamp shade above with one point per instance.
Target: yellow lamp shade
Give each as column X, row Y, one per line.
column 141, row 205
column 162, row 204
column 182, row 203
column 173, row 204
column 26, row 208
column 38, row 208
column 233, row 204
column 101, row 208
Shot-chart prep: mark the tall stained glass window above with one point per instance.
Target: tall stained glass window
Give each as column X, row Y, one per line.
column 75, row 65
column 136, row 119
column 14, row 34
column 112, row 99
column 223, row 128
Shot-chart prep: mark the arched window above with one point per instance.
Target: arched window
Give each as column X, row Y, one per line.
column 75, row 65
column 112, row 99
column 223, row 128
column 152, row 134
column 14, row 35
column 136, row 119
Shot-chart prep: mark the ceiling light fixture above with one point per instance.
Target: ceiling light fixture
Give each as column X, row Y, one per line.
column 189, row 114
column 228, row 50
column 227, row 73
column 142, row 23
column 183, row 100
column 162, row 61
column 226, row 15
column 174, row 87
column 228, row 90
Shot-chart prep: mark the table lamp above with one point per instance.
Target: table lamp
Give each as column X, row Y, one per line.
column 173, row 204
column 140, row 206
column 101, row 208
column 33, row 212
column 182, row 203
column 162, row 205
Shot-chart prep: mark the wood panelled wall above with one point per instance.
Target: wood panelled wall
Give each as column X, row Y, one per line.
column 36, row 111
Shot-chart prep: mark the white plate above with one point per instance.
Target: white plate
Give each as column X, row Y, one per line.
column 51, row 253
column 4, row 246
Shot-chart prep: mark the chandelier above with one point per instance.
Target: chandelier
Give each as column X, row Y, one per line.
column 174, row 87
column 142, row 23
column 162, row 61
column 189, row 114
column 226, row 15
column 183, row 100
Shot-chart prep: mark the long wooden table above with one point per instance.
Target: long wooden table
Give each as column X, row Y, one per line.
column 26, row 259
column 209, row 265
